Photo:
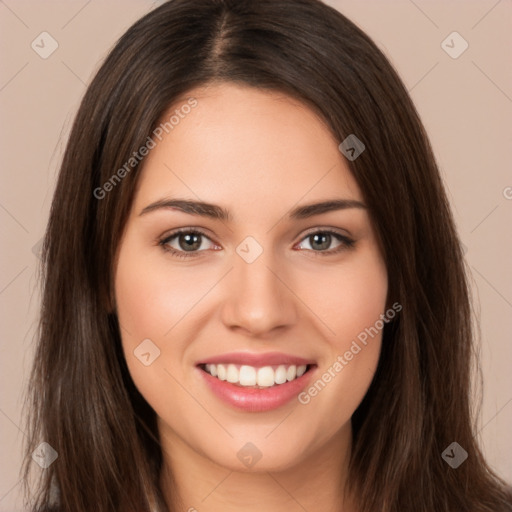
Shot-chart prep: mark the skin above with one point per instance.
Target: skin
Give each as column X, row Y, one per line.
column 258, row 154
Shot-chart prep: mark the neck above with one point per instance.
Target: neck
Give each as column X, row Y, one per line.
column 191, row 482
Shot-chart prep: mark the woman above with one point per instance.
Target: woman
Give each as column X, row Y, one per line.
column 254, row 294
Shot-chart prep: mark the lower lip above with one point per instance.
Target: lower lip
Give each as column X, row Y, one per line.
column 253, row 399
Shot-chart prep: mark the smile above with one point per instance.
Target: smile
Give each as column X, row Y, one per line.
column 251, row 376
column 256, row 382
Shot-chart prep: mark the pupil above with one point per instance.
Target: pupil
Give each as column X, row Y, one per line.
column 322, row 239
column 191, row 241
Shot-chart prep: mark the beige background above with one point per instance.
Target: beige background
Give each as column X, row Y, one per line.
column 465, row 103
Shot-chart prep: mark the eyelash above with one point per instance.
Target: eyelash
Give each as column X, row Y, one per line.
column 346, row 242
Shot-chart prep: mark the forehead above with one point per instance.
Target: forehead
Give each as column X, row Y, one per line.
column 243, row 145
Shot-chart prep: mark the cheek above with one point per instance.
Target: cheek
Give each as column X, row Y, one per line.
column 150, row 302
column 348, row 297
column 150, row 299
column 352, row 299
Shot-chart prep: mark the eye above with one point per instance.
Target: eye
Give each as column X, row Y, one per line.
column 185, row 241
column 321, row 241
column 188, row 242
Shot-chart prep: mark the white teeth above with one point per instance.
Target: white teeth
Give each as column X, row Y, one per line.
column 248, row 376
column 221, row 371
column 291, row 373
column 211, row 369
column 280, row 376
column 265, row 377
column 232, row 374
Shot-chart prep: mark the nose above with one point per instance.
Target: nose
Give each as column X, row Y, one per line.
column 258, row 299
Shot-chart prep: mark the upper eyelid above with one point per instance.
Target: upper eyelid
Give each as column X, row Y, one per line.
column 179, row 231
column 327, row 229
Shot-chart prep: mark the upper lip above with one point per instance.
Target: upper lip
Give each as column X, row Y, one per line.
column 253, row 359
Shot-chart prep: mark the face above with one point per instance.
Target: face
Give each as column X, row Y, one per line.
column 256, row 317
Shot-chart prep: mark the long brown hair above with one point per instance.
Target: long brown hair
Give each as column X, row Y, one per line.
column 82, row 401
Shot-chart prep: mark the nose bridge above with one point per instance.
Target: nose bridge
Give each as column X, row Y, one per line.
column 256, row 299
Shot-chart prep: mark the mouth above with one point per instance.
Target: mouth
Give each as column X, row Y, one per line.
column 247, row 376
column 256, row 383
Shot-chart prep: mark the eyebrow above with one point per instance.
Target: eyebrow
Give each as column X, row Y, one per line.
column 216, row 212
